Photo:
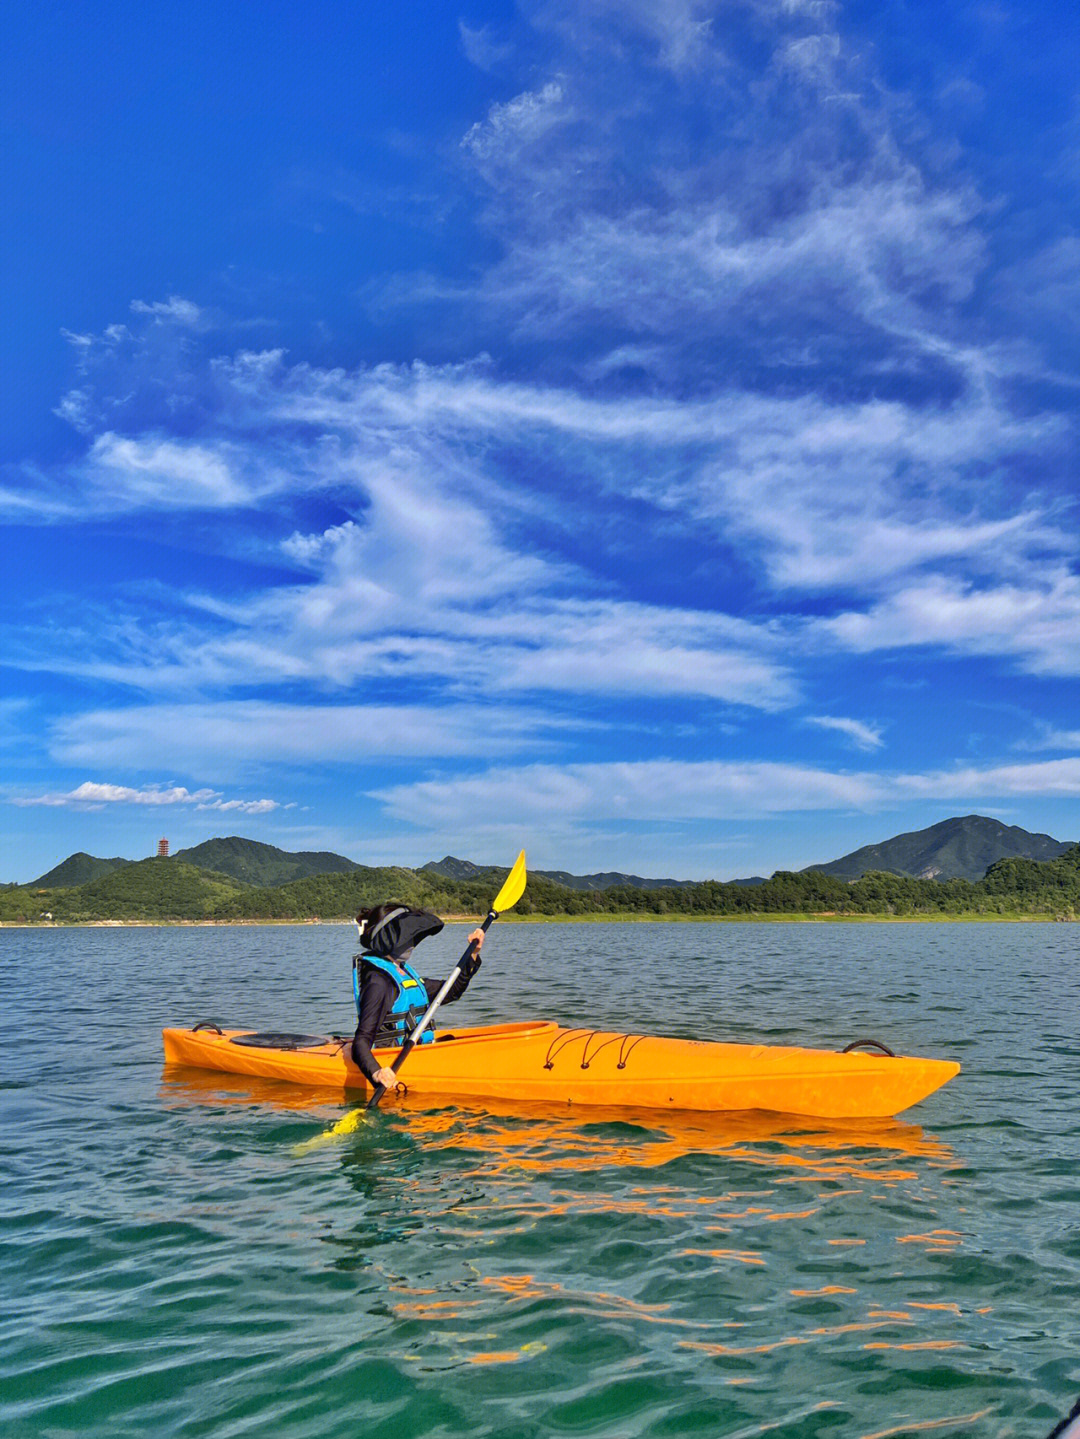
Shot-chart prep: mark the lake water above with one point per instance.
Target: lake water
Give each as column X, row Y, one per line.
column 170, row 1266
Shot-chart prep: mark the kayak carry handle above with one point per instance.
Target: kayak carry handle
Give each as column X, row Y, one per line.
column 868, row 1044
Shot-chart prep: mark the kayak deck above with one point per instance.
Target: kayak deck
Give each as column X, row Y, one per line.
column 542, row 1061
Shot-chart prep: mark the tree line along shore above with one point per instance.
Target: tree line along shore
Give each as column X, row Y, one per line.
column 167, row 890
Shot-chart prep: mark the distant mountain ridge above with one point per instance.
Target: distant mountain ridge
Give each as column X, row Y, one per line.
column 264, row 865
column 451, row 868
column 78, row 868
column 961, row 848
column 170, row 890
column 145, row 887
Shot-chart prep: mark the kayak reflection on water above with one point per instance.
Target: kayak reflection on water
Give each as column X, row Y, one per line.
column 499, row 1136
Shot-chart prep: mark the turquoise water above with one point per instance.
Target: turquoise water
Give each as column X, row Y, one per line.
column 170, row 1266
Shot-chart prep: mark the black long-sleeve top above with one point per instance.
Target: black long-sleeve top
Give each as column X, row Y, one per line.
column 377, row 994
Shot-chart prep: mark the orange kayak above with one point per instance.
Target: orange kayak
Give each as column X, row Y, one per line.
column 539, row 1061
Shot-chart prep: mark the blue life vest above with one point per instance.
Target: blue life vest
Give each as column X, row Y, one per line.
column 410, row 1002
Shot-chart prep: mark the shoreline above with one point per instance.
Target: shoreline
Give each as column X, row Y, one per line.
column 825, row 917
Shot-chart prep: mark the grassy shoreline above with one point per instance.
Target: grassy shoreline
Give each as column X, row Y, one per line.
column 1012, row 917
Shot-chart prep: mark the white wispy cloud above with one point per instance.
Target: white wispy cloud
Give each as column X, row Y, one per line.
column 41, row 502
column 93, row 794
column 836, row 237
column 14, row 712
column 679, row 32
column 1041, row 292
column 764, row 463
column 155, row 472
column 148, row 472
column 649, row 790
column 175, row 309
column 519, row 122
column 569, row 647
column 225, row 734
column 863, row 735
column 1050, row 738
column 482, row 48
column 1037, row 622
column 1059, row 778
column 669, row 791
column 854, row 496
column 439, row 575
column 831, row 495
column 813, row 58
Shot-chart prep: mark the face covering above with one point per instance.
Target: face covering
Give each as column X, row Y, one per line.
column 397, row 935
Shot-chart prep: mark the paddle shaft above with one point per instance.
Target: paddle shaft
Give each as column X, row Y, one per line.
column 414, row 1038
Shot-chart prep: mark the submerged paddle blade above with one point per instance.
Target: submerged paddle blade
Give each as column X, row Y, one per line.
column 513, row 888
column 348, row 1124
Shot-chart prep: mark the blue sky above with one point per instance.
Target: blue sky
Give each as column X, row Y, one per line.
column 645, row 433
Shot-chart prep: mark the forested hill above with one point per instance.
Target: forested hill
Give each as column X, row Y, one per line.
column 961, row 848
column 79, row 868
column 256, row 863
column 164, row 889
column 451, row 868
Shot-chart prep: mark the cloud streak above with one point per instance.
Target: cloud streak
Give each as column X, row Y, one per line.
column 222, row 735
column 826, row 497
column 864, row 736
column 94, row 794
column 670, row 791
column 1037, row 622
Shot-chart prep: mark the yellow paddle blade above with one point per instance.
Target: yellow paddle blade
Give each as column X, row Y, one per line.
column 513, row 888
column 348, row 1124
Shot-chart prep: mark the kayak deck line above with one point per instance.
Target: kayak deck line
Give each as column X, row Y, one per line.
column 539, row 1060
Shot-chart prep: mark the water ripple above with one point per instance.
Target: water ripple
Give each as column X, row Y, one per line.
column 169, row 1264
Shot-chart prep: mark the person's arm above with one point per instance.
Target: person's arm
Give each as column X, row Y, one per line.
column 376, row 1000
column 461, row 984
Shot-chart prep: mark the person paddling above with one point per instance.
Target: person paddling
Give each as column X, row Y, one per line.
column 390, row 996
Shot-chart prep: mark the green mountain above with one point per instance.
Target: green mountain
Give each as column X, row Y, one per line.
column 157, row 888
column 146, row 889
column 1017, row 882
column 339, row 896
column 164, row 889
column 607, row 879
column 79, row 868
column 451, row 868
column 336, row 896
column 961, row 848
column 252, row 862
